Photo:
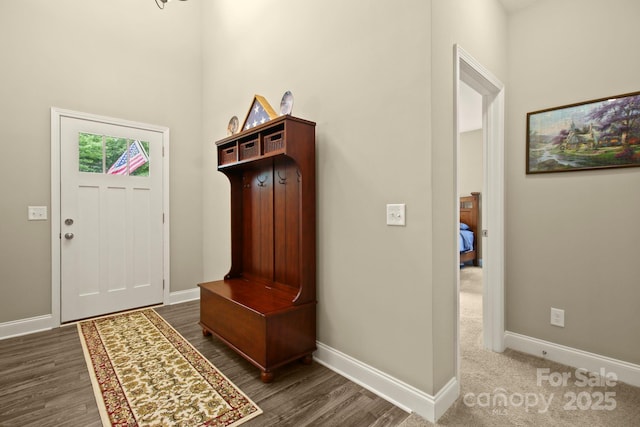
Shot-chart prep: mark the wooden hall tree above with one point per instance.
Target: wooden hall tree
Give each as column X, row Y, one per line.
column 265, row 308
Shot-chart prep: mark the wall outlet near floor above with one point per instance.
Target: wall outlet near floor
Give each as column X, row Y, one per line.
column 557, row 317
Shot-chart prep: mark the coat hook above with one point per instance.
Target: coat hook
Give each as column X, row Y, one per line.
column 299, row 175
column 281, row 180
column 262, row 181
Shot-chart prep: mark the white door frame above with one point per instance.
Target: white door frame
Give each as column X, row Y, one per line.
column 471, row 72
column 56, row 116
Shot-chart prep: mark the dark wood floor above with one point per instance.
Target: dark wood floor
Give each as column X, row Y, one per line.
column 44, row 382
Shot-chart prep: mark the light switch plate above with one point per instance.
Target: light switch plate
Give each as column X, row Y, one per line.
column 37, row 213
column 396, row 214
column 557, row 317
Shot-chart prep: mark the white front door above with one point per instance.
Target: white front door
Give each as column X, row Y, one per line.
column 111, row 220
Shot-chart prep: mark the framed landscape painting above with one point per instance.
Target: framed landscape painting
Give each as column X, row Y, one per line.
column 603, row 133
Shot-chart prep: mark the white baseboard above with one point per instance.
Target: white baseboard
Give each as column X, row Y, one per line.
column 626, row 372
column 15, row 328
column 389, row 388
column 445, row 398
column 183, row 296
column 31, row 325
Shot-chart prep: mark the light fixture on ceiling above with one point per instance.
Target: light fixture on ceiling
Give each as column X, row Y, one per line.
column 161, row 3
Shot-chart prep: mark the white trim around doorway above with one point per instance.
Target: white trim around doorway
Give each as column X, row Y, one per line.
column 468, row 70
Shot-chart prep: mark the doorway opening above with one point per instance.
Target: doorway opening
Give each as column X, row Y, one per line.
column 470, row 74
column 471, row 189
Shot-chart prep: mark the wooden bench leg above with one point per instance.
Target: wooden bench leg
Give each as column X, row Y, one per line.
column 266, row 377
column 205, row 332
column 307, row 360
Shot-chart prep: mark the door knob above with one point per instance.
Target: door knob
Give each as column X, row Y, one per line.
column 68, row 221
column 68, row 236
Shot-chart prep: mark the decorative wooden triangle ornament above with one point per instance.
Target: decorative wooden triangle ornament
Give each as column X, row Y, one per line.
column 259, row 113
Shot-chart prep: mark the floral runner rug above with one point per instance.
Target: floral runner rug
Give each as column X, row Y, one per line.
column 145, row 373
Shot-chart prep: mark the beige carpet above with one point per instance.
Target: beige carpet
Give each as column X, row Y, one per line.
column 503, row 389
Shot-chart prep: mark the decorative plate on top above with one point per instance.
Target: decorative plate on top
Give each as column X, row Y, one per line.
column 286, row 105
column 232, row 128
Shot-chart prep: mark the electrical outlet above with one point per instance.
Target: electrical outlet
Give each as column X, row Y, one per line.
column 395, row 214
column 557, row 317
column 37, row 213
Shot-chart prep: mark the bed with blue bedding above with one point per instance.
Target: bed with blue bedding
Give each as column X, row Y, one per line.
column 469, row 228
column 466, row 238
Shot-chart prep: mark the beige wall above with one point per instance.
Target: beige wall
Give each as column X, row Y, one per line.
column 364, row 75
column 119, row 58
column 480, row 28
column 471, row 167
column 471, row 170
column 572, row 237
column 360, row 70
